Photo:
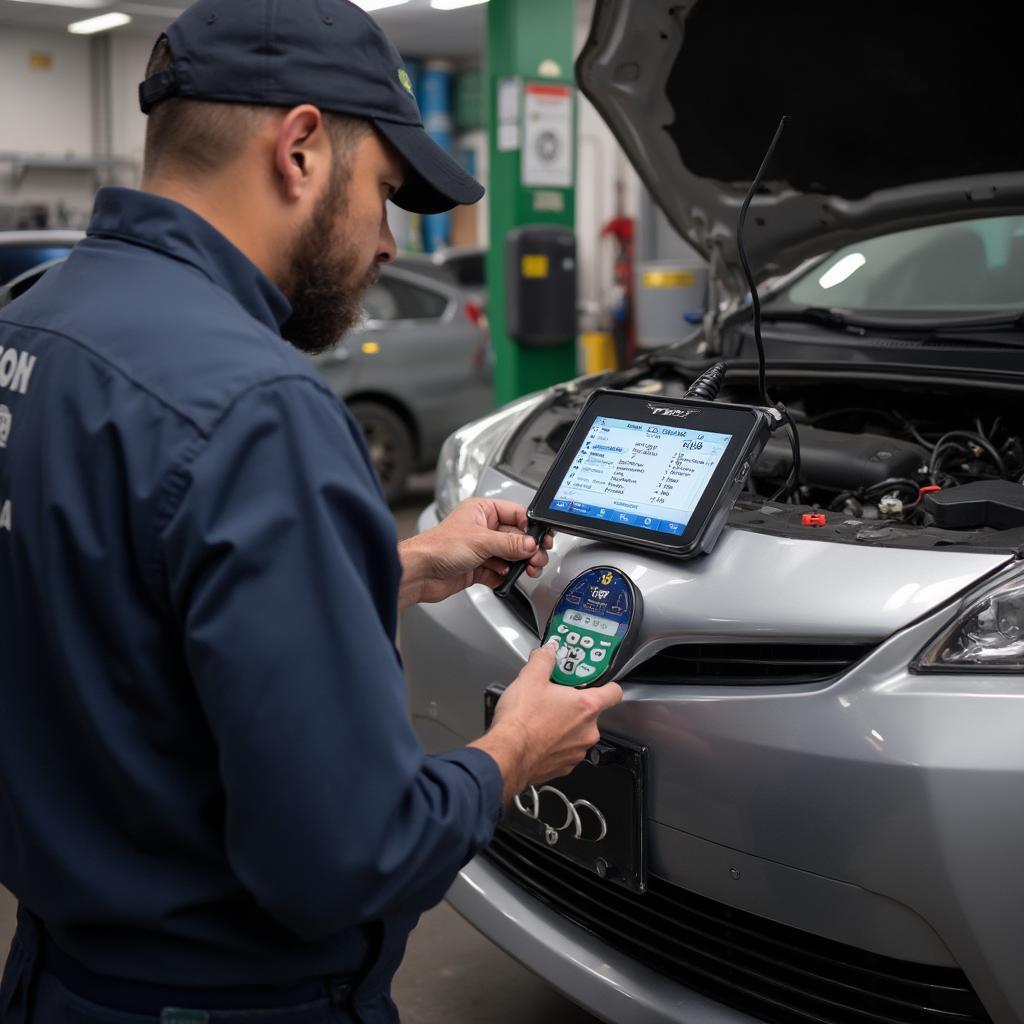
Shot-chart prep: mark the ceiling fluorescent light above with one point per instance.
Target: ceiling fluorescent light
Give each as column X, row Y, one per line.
column 454, row 5
column 101, row 23
column 378, row 5
column 65, row 3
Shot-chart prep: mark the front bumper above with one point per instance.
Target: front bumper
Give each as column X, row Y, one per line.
column 611, row 986
column 877, row 811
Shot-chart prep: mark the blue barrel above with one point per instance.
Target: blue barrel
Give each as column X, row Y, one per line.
column 434, row 95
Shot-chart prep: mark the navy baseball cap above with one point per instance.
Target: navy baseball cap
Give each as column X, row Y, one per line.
column 329, row 53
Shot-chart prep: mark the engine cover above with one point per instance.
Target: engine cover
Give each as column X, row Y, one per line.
column 839, row 461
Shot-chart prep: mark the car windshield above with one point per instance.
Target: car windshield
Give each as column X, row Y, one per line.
column 969, row 267
column 16, row 259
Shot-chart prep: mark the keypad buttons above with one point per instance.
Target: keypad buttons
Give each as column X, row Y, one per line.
column 572, row 639
column 585, row 670
column 605, row 643
column 562, row 652
column 563, row 629
column 597, row 654
column 587, row 641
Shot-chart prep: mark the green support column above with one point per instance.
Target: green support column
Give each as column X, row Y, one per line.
column 529, row 43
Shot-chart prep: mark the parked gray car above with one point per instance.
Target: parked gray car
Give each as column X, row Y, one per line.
column 823, row 717
column 417, row 368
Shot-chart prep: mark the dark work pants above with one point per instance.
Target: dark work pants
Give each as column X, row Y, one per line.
column 31, row 993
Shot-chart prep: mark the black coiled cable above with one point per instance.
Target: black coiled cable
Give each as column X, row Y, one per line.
column 708, row 384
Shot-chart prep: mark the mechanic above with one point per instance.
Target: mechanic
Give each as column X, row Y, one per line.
column 212, row 802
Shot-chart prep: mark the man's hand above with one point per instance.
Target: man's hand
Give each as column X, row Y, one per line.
column 474, row 544
column 542, row 730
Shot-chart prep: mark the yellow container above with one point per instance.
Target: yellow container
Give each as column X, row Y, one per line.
column 598, row 351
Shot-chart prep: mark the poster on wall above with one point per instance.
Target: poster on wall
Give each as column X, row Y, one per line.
column 547, row 152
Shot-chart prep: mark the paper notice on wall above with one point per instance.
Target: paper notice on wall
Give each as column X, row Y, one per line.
column 508, row 137
column 547, row 136
column 508, row 114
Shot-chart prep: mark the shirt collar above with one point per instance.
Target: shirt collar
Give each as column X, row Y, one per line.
column 168, row 227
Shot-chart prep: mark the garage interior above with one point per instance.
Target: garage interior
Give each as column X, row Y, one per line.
column 820, row 718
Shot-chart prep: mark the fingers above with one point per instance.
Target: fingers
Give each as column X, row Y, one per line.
column 490, row 578
column 536, row 564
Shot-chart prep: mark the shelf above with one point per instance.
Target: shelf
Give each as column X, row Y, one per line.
column 21, row 164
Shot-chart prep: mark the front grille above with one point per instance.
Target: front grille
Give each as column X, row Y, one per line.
column 771, row 971
column 727, row 663
column 738, row 664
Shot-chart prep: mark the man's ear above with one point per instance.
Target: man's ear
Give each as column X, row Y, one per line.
column 302, row 151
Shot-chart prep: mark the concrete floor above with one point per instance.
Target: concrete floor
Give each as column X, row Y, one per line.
column 450, row 973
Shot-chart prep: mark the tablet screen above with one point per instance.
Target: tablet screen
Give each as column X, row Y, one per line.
column 644, row 475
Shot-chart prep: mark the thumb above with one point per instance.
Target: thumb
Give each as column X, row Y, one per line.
column 542, row 660
column 513, row 547
column 610, row 694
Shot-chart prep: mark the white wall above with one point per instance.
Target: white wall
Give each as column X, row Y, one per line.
column 47, row 112
column 128, row 58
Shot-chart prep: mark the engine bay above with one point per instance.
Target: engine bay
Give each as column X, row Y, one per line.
column 921, row 464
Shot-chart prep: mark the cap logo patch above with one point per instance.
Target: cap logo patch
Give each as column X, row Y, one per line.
column 403, row 77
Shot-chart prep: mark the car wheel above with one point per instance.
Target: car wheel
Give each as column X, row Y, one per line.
column 390, row 444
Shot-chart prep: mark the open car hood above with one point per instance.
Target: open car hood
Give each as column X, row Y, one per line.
column 900, row 116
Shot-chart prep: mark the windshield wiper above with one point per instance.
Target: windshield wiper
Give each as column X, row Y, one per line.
column 811, row 314
column 928, row 325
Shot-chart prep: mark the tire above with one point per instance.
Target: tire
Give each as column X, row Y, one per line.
column 390, row 444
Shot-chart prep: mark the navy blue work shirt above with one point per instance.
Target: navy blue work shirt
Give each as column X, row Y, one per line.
column 207, row 772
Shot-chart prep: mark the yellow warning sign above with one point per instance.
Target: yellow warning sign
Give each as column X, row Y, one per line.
column 668, row 279
column 534, row 266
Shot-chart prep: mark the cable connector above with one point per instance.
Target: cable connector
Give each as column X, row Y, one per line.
column 708, row 384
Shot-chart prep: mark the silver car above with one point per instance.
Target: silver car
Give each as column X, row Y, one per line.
column 823, row 718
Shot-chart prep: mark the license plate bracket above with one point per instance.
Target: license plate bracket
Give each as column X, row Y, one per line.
column 594, row 816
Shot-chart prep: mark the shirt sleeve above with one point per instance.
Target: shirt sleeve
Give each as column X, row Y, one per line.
column 278, row 555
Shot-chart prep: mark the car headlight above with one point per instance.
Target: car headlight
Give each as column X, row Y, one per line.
column 987, row 635
column 472, row 448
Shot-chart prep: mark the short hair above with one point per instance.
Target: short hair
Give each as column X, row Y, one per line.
column 203, row 136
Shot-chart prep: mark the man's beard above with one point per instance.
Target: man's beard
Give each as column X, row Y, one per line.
column 325, row 301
